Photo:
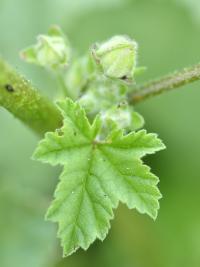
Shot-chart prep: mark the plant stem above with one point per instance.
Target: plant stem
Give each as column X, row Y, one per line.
column 165, row 84
column 19, row 97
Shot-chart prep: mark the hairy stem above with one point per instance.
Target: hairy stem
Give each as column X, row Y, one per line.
column 19, row 97
column 165, row 84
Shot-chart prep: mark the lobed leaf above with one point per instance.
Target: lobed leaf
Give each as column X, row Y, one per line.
column 96, row 176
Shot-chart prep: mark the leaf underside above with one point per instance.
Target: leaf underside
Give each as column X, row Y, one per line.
column 96, row 176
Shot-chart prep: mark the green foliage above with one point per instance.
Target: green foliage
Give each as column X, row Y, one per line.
column 97, row 175
column 97, row 144
column 135, row 240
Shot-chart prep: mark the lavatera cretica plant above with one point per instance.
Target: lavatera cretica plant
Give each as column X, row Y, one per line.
column 99, row 144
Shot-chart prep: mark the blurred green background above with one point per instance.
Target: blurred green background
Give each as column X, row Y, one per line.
column 168, row 33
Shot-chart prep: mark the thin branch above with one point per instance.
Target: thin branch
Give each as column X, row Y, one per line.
column 19, row 97
column 165, row 84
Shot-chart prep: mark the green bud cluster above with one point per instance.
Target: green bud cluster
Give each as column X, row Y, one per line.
column 110, row 101
column 98, row 81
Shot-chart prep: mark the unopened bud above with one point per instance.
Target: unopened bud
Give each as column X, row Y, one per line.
column 116, row 57
column 78, row 75
column 117, row 117
column 89, row 102
column 51, row 50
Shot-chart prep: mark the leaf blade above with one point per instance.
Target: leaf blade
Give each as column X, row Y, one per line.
column 97, row 175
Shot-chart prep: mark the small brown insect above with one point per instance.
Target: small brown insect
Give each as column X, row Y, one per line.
column 9, row 88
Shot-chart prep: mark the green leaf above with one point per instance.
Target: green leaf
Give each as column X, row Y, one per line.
column 96, row 176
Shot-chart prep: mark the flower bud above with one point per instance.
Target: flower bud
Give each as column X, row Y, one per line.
column 116, row 57
column 89, row 102
column 121, row 117
column 117, row 117
column 78, row 75
column 51, row 50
